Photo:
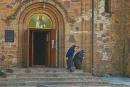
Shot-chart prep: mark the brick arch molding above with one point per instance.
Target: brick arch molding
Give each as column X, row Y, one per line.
column 55, row 12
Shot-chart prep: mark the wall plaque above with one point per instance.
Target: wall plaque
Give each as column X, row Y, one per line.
column 9, row 35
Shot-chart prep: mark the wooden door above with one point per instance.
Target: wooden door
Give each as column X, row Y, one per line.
column 30, row 48
column 53, row 48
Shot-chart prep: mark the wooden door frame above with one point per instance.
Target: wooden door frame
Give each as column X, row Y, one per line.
column 30, row 32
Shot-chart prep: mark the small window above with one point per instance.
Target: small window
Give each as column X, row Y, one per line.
column 9, row 35
column 107, row 6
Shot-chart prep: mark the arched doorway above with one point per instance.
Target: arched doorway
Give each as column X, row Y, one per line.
column 42, row 41
column 30, row 34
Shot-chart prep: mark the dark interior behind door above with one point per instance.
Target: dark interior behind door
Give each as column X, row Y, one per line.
column 39, row 48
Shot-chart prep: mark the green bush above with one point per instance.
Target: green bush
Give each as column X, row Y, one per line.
column 2, row 74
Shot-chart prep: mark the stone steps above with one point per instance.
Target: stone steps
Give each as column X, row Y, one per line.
column 38, row 77
column 42, row 69
column 17, row 86
column 68, row 85
column 69, row 82
column 46, row 70
column 44, row 75
column 51, row 79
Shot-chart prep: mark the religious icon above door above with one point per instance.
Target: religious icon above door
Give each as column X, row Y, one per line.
column 40, row 21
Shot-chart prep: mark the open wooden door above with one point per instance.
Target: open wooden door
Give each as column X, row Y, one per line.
column 53, row 48
column 49, row 47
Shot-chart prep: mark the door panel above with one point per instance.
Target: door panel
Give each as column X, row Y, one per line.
column 30, row 48
column 53, row 48
column 47, row 63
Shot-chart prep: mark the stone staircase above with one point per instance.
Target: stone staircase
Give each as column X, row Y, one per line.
column 50, row 77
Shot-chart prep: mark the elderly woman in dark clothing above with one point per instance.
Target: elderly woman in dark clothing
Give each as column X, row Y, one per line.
column 78, row 58
column 69, row 56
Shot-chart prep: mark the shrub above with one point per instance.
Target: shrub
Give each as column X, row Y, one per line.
column 2, row 74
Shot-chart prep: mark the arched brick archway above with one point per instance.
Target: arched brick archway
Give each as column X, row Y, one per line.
column 58, row 22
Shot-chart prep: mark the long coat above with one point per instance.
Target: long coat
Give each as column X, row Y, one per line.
column 70, row 53
column 78, row 58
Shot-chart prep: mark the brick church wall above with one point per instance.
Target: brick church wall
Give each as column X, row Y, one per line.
column 108, row 40
column 126, row 16
column 111, row 34
column 111, row 38
column 9, row 51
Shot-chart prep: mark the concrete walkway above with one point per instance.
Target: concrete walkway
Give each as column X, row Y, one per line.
column 118, row 80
